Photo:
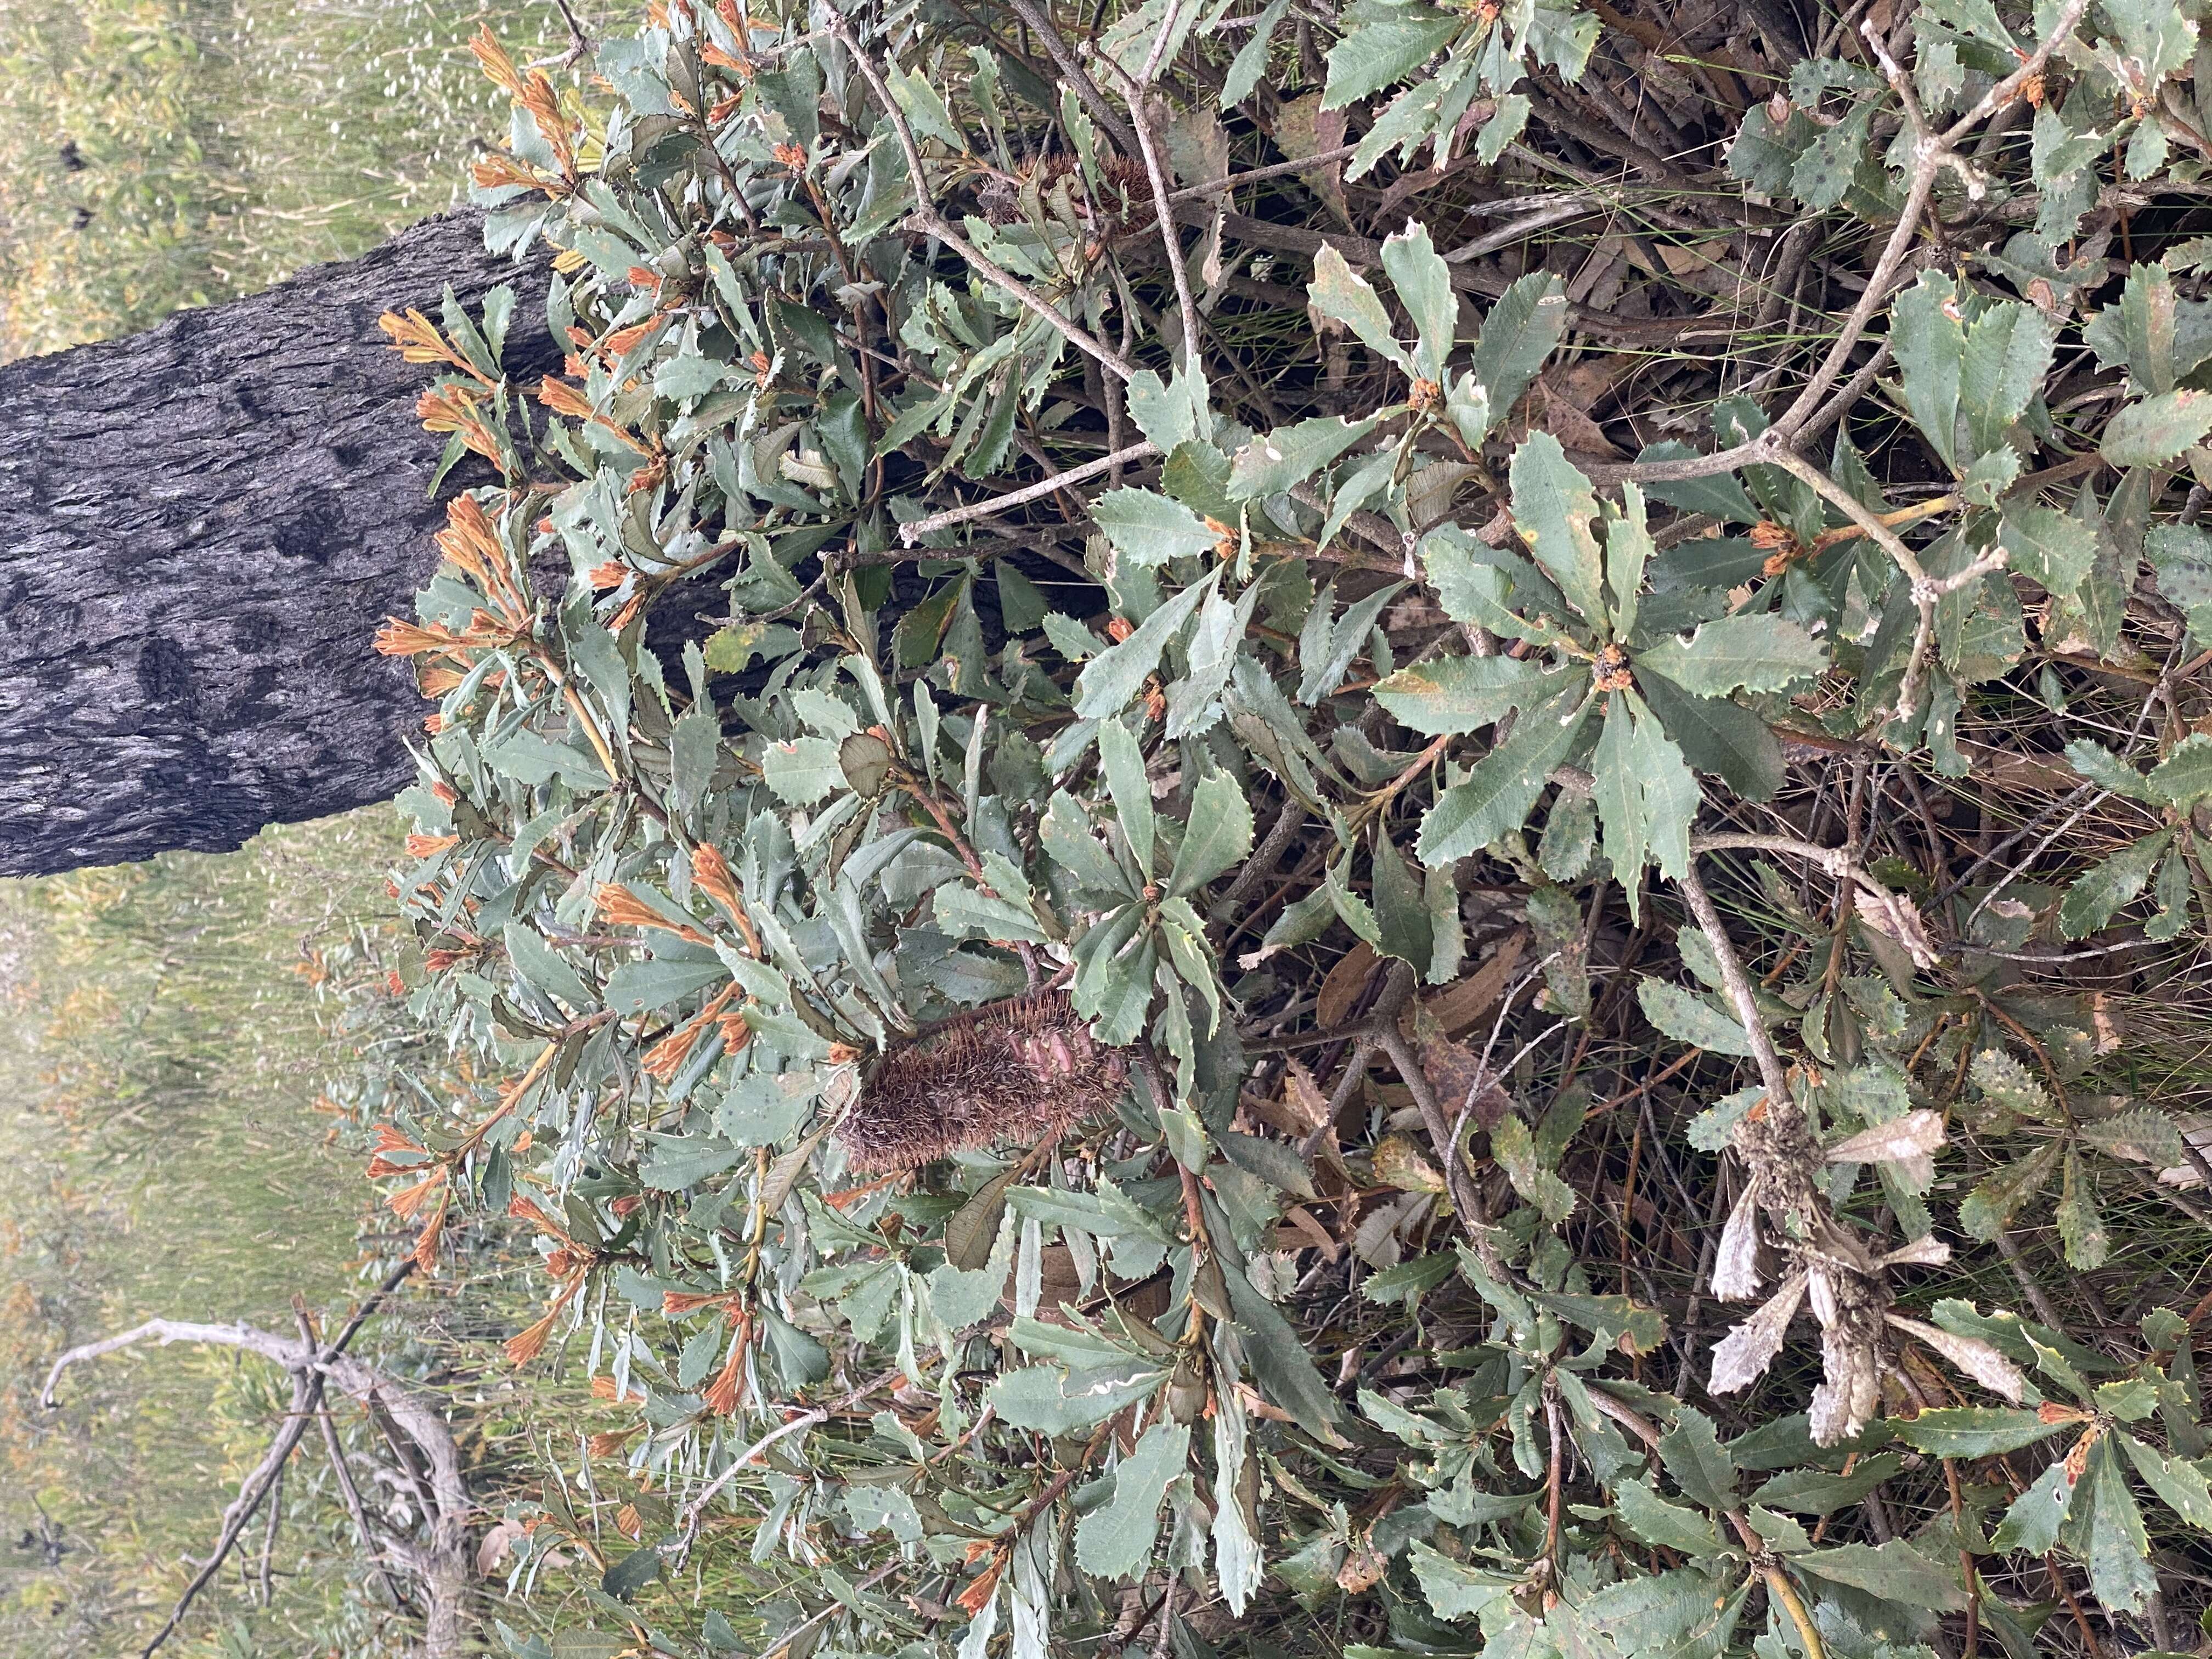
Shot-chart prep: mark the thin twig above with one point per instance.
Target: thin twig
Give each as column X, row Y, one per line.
column 935, row 223
column 915, row 529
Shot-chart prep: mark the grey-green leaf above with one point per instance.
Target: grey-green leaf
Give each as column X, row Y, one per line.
column 1495, row 798
column 1737, row 654
column 1687, row 1017
column 1115, row 1539
column 1218, row 836
column 1554, row 509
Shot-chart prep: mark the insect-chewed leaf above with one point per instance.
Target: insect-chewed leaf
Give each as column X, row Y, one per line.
column 1738, row 653
column 1337, row 291
column 1273, row 462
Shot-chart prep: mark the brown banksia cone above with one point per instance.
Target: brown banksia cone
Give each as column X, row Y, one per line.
column 1016, row 1070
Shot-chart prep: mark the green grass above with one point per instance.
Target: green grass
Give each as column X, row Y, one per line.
column 160, row 1062
column 159, row 1057
column 224, row 144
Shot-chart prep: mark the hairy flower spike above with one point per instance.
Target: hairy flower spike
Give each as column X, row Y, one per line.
column 1018, row 1070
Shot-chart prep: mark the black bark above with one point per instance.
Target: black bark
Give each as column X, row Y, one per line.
column 200, row 528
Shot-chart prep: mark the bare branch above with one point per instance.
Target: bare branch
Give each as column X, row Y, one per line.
column 915, row 529
column 935, row 223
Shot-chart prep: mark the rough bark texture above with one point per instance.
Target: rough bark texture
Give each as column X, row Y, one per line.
column 200, row 527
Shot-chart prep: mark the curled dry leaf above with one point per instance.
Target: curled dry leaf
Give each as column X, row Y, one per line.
column 1904, row 1141
column 1926, row 1251
column 1741, row 1357
column 1898, row 917
column 1735, row 1264
column 1976, row 1358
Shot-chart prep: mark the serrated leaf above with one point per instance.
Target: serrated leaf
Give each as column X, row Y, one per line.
column 1617, row 791
column 1929, row 341
column 1737, row 654
column 1990, row 1207
column 2033, row 1521
column 641, row 987
column 539, row 966
column 1053, row 1400
column 2099, row 892
column 1456, row 695
column 1388, row 44
column 1115, row 1539
column 2006, row 1081
column 1341, row 293
column 2157, row 429
column 1402, row 925
column 1218, row 836
column 2115, row 1546
column 2101, row 767
column 1122, row 760
column 2054, row 548
column 1895, row 1571
column 1148, row 528
column 2008, row 353
column 2080, row 1224
column 1653, row 1519
column 1272, row 463
column 1114, row 676
column 1701, row 1466
column 1824, row 170
column 1523, row 329
column 803, row 772
column 972, row 1229
column 1687, row 1017
column 1423, row 283
column 1719, row 736
column 1457, row 1589
column 1280, row 1364
column 1553, row 510
column 2184, row 777
column 1816, row 1491
column 1515, row 1149
column 632, row 1573
column 1495, row 800
column 2179, row 1483
column 1628, row 550
column 2141, row 1134
column 1251, row 60
column 1671, row 795
column 1065, row 833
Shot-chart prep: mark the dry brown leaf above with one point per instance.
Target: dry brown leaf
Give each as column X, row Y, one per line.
column 1341, row 989
column 1458, row 1006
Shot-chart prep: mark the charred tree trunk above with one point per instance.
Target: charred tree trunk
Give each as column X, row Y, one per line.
column 200, row 528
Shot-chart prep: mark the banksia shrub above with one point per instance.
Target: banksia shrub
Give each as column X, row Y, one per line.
column 1576, row 638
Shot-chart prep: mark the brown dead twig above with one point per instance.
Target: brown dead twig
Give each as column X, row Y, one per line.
column 440, row 1565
